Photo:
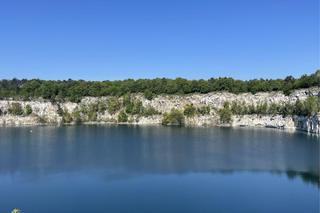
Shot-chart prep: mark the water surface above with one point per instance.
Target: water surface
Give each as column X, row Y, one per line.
column 157, row 169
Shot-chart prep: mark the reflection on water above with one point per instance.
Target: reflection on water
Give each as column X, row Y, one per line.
column 80, row 156
column 140, row 150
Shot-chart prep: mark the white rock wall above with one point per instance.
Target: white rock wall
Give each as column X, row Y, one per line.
column 164, row 103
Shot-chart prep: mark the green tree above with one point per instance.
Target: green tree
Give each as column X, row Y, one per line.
column 113, row 105
column 15, row 109
column 102, row 106
column 59, row 110
column 76, row 116
column 137, row 107
column 148, row 94
column 225, row 113
column 203, row 110
column 189, row 110
column 262, row 108
column 149, row 111
column 28, row 109
column 122, row 117
column 174, row 117
column 67, row 117
column 311, row 106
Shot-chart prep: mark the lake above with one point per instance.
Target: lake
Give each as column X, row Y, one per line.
column 157, row 169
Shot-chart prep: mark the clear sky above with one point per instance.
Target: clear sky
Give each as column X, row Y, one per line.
column 119, row 39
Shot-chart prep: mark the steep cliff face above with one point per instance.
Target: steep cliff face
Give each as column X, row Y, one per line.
column 54, row 113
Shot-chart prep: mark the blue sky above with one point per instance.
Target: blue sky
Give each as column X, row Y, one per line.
column 119, row 39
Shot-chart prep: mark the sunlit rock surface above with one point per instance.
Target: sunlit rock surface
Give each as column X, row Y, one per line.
column 45, row 112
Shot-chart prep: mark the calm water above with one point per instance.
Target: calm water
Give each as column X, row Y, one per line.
column 157, row 169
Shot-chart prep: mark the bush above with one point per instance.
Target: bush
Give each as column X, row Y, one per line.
column 287, row 109
column 137, row 107
column 67, row 117
column 225, row 113
column 174, row 117
column 28, row 109
column 189, row 110
column 311, row 106
column 126, row 99
column 148, row 95
column 113, row 105
column 92, row 116
column 102, row 106
column 76, row 116
column 92, row 110
column 122, row 117
column 149, row 111
column 237, row 108
column 15, row 109
column 59, row 110
column 262, row 109
column 204, row 110
column 42, row 119
column 273, row 109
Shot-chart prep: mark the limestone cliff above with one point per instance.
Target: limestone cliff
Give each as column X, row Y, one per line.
column 45, row 112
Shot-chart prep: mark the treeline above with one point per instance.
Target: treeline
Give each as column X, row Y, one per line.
column 75, row 90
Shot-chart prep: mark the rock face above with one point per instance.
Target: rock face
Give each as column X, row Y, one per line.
column 311, row 125
column 45, row 112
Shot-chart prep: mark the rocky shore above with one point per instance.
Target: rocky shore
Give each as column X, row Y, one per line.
column 45, row 112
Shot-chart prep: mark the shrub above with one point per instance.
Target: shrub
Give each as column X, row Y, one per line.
column 287, row 109
column 149, row 111
column 92, row 116
column 67, row 117
column 311, row 106
column 189, row 110
column 174, row 117
column 76, row 116
column 148, row 94
column 42, row 119
column 203, row 110
column 251, row 109
column 59, row 110
column 102, row 106
column 137, row 107
column 91, row 112
column 129, row 108
column 126, row 99
column 262, row 109
column 225, row 113
column 28, row 109
column 236, row 108
column 15, row 109
column 122, row 117
column 273, row 109
column 113, row 105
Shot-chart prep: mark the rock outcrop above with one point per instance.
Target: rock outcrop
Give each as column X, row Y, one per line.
column 45, row 112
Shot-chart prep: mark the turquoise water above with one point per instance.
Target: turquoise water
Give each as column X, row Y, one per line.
column 157, row 169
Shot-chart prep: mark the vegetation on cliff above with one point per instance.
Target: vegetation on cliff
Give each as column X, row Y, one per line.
column 174, row 117
column 75, row 90
column 308, row 107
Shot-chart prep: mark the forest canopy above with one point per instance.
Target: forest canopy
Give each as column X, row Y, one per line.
column 74, row 90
